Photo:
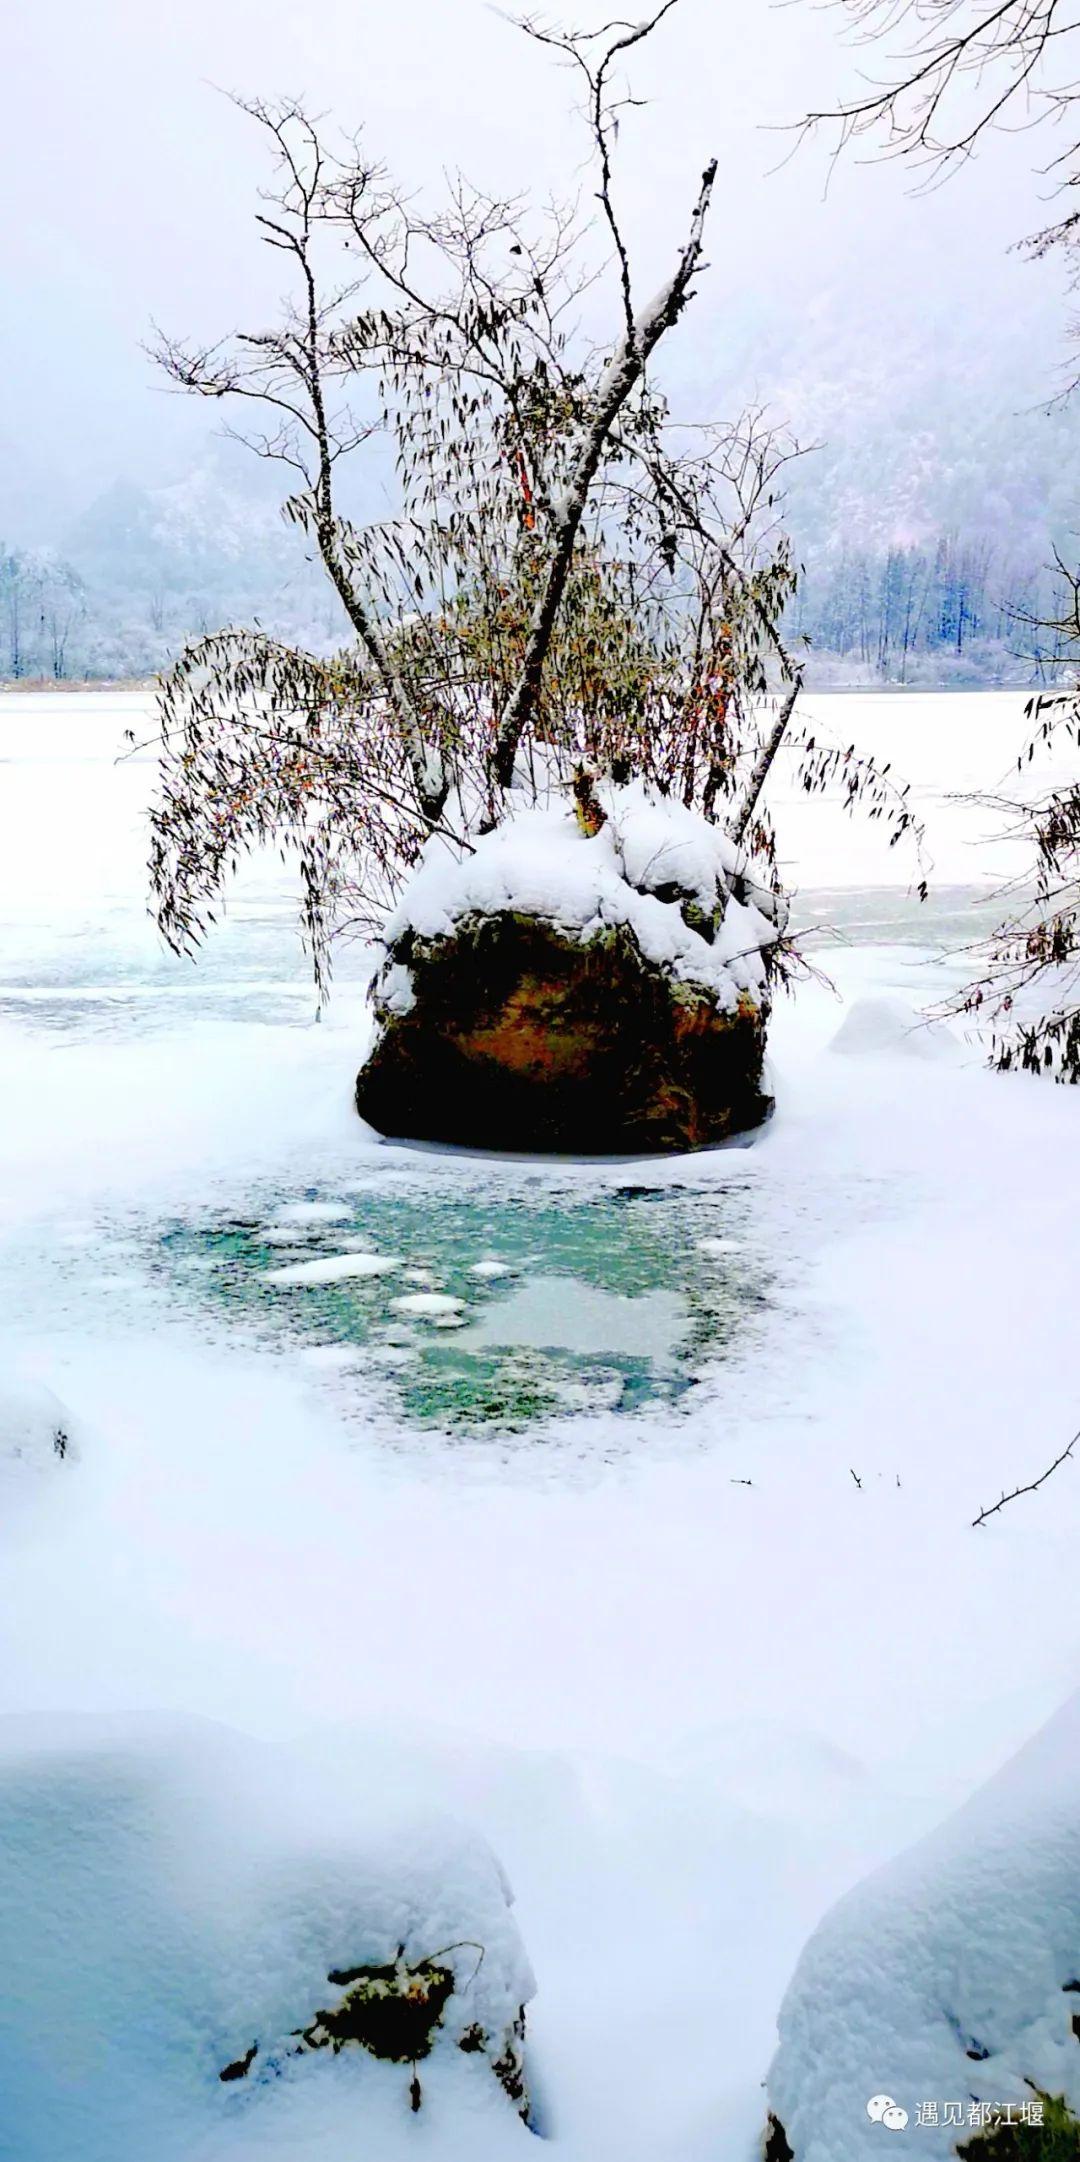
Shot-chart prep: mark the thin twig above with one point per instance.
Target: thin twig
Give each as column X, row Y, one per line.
column 1031, row 1488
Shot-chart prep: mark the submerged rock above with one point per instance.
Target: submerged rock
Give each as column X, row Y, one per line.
column 588, row 993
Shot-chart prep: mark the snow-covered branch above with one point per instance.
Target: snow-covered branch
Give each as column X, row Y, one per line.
column 763, row 762
column 623, row 371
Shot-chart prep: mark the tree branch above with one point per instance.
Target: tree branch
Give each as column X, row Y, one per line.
column 1031, row 1488
column 625, row 369
column 762, row 763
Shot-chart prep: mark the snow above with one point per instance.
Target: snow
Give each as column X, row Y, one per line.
column 430, row 1305
column 660, row 841
column 176, row 1892
column 317, row 1213
column 332, row 1269
column 950, row 1975
column 539, row 862
column 397, row 990
column 686, row 1678
column 37, row 1432
column 873, row 1027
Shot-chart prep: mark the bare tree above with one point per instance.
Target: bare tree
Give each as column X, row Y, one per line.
column 63, row 608
column 492, row 324
column 567, row 582
column 961, row 68
column 16, row 596
column 957, row 72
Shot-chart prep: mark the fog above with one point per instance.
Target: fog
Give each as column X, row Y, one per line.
column 130, row 181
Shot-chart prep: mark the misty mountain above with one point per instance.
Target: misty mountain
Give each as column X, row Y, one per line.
column 924, row 508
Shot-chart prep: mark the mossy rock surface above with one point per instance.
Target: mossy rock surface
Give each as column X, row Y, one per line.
column 522, row 1037
column 1056, row 2139
column 394, row 2011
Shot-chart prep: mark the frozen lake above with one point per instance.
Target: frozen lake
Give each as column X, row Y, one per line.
column 628, row 1504
column 79, row 952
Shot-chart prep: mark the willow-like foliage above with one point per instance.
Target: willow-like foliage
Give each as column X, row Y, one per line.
column 1026, row 996
column 564, row 578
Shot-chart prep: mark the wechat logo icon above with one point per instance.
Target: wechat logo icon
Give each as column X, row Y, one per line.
column 881, row 2109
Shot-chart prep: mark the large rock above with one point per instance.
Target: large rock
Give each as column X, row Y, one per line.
column 564, row 991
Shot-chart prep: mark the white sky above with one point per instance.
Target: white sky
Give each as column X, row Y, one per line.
column 128, row 185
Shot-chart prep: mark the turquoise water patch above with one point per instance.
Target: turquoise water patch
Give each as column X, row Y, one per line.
column 471, row 1309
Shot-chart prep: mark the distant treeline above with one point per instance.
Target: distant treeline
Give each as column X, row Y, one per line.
column 958, row 608
column 60, row 623
column 956, row 611
column 42, row 603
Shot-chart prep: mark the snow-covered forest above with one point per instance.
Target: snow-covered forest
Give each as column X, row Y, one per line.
column 921, row 573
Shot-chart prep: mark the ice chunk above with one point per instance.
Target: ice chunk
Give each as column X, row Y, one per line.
column 314, row 1212
column 429, row 1304
column 332, row 1269
column 331, row 1357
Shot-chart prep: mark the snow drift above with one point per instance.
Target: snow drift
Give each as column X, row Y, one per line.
column 37, row 1434
column 193, row 1925
column 949, row 1981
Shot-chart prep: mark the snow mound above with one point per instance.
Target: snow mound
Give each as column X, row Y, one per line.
column 649, row 859
column 882, row 1026
column 948, row 1982
column 211, row 1948
column 36, row 1430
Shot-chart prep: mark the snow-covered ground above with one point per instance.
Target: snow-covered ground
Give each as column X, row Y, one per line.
column 689, row 1674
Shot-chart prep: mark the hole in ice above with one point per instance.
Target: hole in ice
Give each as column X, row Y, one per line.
column 454, row 1303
